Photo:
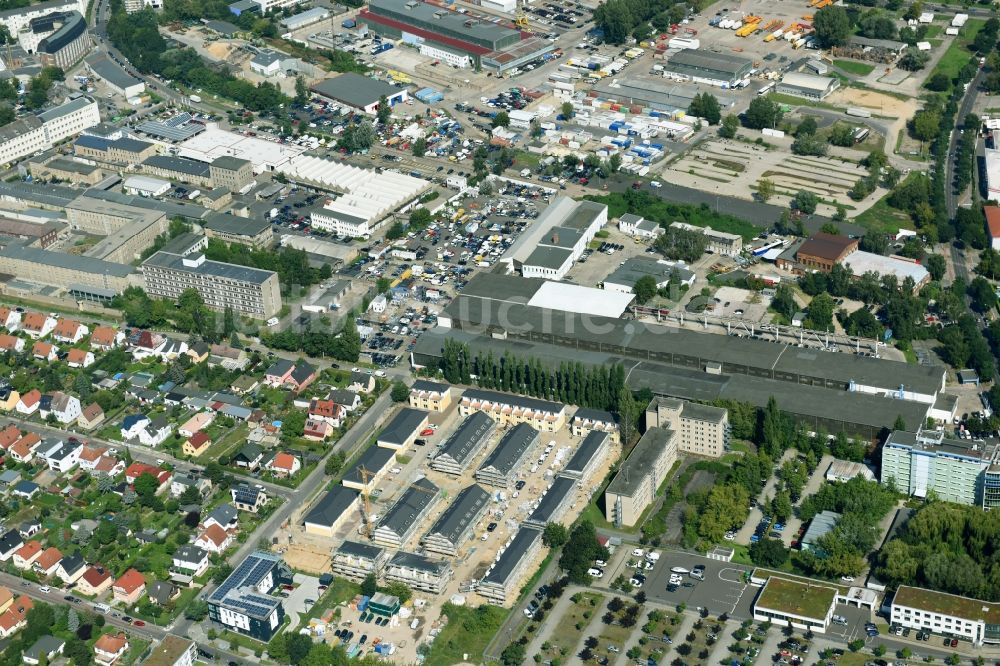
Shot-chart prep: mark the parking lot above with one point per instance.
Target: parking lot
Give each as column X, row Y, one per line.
column 300, row 599
column 722, row 591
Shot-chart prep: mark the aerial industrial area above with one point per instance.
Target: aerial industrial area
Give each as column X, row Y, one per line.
column 483, row 331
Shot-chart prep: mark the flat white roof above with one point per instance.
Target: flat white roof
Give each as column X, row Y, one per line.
column 366, row 194
column 146, row 183
column 867, row 262
column 993, row 170
column 215, row 142
column 568, row 297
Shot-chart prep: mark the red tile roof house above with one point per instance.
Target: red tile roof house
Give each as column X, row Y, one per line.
column 37, row 324
column 9, row 435
column 23, row 450
column 69, row 331
column 27, row 554
column 129, row 587
column 48, row 561
column 214, row 539
column 137, row 469
column 28, row 404
column 109, row 648
column 44, row 351
column 326, row 410
column 105, row 338
column 11, row 343
column 284, row 465
column 79, row 358
column 10, row 319
column 15, row 617
column 94, row 581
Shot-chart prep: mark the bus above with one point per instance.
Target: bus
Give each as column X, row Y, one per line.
column 766, row 89
column 860, row 134
column 102, row 608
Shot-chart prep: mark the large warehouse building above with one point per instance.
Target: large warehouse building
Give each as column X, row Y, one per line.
column 455, row 38
column 716, row 69
column 366, row 196
column 810, row 86
column 361, row 93
column 824, row 389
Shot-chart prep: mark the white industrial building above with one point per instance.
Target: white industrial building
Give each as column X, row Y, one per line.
column 867, row 262
column 549, row 247
column 366, row 196
column 146, row 186
column 306, row 18
column 993, row 174
column 215, row 142
column 810, row 86
column 31, row 134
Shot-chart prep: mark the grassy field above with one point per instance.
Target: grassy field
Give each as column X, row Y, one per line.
column 564, row 642
column 469, row 631
column 854, row 67
column 957, row 54
column 883, row 218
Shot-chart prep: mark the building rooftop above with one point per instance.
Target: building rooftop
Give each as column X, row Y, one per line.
column 830, row 247
column 583, row 300
column 410, row 507
column 402, row 426
column 867, row 262
column 701, row 59
column 73, row 262
column 505, row 565
column 796, row 598
column 511, row 449
column 362, row 550
column 931, row 441
column 356, row 90
column 461, row 514
column 332, row 506
column 169, row 651
column 178, row 164
column 227, row 223
column 111, row 72
column 468, row 437
column 374, row 459
column 524, row 402
column 821, row 525
column 640, row 462
column 947, row 604
column 418, row 562
column 808, row 81
column 589, row 447
column 638, row 267
column 198, row 265
column 549, row 503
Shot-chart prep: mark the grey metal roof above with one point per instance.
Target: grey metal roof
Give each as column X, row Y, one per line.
column 549, row 504
column 267, row 58
column 69, row 107
column 637, row 267
column 598, row 415
column 111, row 72
column 640, row 462
column 701, row 59
column 410, row 507
column 418, row 562
column 230, row 163
column 642, row 340
column 402, row 426
column 363, row 550
column 518, row 549
column 331, row 506
column 178, row 164
column 38, row 7
column 175, row 262
column 514, row 400
column 468, row 437
column 73, row 262
column 548, row 256
column 175, row 129
column 374, row 459
column 355, row 90
column 588, row 448
column 821, row 524
column 511, row 449
column 426, row 385
column 463, row 513
column 50, row 195
column 73, row 26
column 461, row 23
column 227, row 223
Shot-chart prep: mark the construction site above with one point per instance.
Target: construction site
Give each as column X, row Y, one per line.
column 450, row 509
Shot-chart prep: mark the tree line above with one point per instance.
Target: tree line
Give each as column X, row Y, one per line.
column 596, row 387
column 291, row 265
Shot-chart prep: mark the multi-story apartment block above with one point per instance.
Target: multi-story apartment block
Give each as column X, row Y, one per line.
column 701, row 429
column 948, row 614
column 419, row 572
column 243, row 603
column 233, row 173
column 510, row 409
column 358, row 560
column 634, row 486
column 248, row 291
column 19, row 19
column 502, row 581
column 458, row 521
column 432, row 396
column 926, row 461
column 499, row 467
column 27, row 136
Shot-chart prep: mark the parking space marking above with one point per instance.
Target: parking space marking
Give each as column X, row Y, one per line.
column 739, row 575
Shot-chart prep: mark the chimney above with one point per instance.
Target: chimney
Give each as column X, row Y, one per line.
column 555, row 237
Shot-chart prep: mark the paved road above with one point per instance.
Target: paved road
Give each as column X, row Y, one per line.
column 964, row 108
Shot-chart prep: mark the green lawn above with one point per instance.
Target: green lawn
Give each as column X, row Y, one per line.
column 855, row 67
column 565, row 640
column 957, row 54
column 468, row 632
column 883, row 218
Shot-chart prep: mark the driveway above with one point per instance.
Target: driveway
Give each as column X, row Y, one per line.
column 306, row 587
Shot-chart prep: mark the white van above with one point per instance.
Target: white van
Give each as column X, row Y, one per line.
column 102, row 608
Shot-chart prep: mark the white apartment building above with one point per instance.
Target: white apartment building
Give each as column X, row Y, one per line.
column 701, row 429
column 133, row 6
column 947, row 614
column 248, row 291
column 461, row 60
column 719, row 242
column 18, row 19
column 27, row 136
column 634, row 486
